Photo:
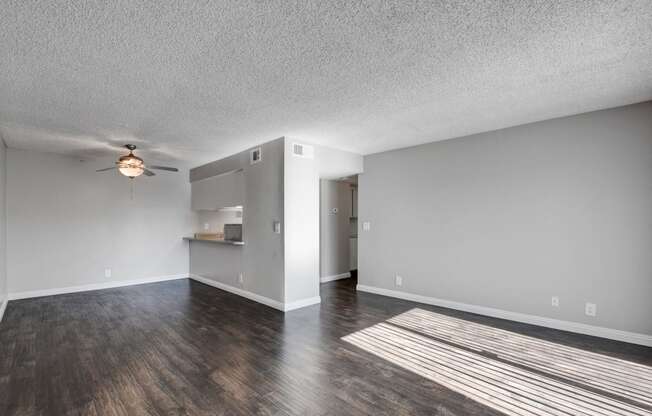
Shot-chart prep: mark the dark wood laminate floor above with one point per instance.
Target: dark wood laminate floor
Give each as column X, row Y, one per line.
column 184, row 348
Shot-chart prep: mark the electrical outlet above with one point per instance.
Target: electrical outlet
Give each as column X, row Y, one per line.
column 366, row 226
column 591, row 309
column 241, row 278
column 107, row 272
column 206, row 226
column 555, row 301
column 399, row 280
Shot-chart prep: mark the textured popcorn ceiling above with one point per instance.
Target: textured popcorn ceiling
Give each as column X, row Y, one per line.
column 197, row 80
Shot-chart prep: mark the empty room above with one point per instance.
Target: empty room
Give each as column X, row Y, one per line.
column 326, row 208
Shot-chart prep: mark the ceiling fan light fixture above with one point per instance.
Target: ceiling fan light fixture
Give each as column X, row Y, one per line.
column 131, row 171
column 131, row 165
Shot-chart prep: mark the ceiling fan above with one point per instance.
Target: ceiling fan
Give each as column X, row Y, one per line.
column 131, row 165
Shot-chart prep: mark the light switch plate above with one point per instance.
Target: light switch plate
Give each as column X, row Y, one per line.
column 366, row 226
column 107, row 272
column 277, row 227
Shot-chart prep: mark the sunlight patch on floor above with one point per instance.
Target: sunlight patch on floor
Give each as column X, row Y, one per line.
column 619, row 377
column 414, row 341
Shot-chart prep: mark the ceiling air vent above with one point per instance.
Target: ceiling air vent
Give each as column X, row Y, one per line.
column 255, row 155
column 302, row 150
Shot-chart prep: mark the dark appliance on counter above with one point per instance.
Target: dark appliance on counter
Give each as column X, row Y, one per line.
column 233, row 232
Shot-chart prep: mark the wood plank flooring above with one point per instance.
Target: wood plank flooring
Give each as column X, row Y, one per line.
column 184, row 348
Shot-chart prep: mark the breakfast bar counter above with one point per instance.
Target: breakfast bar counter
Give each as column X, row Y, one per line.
column 216, row 241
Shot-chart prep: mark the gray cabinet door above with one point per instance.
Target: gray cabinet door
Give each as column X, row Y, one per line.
column 218, row 192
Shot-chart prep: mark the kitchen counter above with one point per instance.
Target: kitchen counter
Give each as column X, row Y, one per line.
column 226, row 242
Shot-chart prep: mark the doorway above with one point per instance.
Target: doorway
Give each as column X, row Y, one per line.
column 338, row 228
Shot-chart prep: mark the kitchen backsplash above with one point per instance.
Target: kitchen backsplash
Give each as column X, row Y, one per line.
column 213, row 221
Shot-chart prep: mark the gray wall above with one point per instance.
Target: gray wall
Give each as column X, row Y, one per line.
column 510, row 218
column 219, row 262
column 263, row 253
column 334, row 228
column 261, row 260
column 67, row 223
column 283, row 267
column 3, row 221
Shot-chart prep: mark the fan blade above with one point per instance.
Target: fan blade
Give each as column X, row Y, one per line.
column 105, row 169
column 164, row 168
column 148, row 172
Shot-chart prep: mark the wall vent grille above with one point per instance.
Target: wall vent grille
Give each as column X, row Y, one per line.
column 255, row 155
column 302, row 150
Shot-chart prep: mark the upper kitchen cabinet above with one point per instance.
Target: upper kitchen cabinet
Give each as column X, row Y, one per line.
column 226, row 190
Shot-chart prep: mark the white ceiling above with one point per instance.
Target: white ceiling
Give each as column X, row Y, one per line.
column 201, row 79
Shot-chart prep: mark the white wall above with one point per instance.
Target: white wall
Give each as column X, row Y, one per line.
column 301, row 226
column 302, row 213
column 335, row 164
column 510, row 218
column 334, row 228
column 67, row 223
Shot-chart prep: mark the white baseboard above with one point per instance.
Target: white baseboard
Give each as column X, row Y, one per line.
column 325, row 279
column 285, row 307
column 302, row 303
column 240, row 292
column 597, row 331
column 94, row 286
column 3, row 306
